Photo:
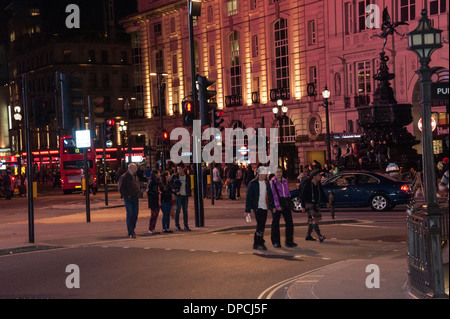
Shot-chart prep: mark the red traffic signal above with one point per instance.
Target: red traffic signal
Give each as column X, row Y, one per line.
column 110, row 122
column 165, row 135
column 188, row 113
column 189, row 106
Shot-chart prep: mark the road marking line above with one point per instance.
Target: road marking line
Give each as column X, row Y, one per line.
column 274, row 288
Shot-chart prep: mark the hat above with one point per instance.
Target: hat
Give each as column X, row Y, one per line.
column 314, row 172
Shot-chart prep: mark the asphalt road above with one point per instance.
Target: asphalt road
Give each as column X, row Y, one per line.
column 212, row 265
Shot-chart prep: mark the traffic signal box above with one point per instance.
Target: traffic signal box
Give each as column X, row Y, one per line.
column 41, row 113
column 218, row 119
column 165, row 138
column 72, row 99
column 110, row 130
column 206, row 98
column 188, row 113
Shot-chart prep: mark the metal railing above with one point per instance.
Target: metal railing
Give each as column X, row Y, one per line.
column 419, row 249
column 419, row 270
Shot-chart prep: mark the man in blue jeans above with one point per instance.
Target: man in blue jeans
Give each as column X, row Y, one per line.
column 130, row 189
column 181, row 188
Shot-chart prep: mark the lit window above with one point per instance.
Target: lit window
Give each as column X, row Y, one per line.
column 235, row 64
column 232, row 7
column 281, row 54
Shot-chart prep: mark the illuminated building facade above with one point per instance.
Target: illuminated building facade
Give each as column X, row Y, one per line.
column 262, row 51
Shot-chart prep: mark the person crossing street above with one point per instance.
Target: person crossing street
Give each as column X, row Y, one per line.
column 259, row 199
column 280, row 190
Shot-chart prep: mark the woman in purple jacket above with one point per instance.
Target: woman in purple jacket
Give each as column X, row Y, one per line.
column 281, row 195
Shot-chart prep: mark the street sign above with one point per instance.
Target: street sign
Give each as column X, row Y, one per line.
column 83, row 138
column 433, row 124
column 440, row 91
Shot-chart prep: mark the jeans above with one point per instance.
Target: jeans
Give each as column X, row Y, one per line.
column 232, row 189
column 182, row 202
column 218, row 189
column 132, row 208
column 275, row 234
column 238, row 187
column 165, row 208
column 261, row 217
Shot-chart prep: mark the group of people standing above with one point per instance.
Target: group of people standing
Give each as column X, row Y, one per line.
column 163, row 192
column 273, row 195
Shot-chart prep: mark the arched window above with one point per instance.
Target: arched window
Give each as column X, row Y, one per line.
column 281, row 54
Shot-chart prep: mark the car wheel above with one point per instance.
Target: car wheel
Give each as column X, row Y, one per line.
column 296, row 204
column 379, row 202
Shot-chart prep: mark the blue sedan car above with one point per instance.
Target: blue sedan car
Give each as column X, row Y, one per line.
column 362, row 189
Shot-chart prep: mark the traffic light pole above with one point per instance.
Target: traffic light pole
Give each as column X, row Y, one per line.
column 198, row 180
column 161, row 123
column 105, row 179
column 29, row 161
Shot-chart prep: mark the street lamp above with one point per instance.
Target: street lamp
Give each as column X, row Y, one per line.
column 18, row 118
column 122, row 130
column 279, row 111
column 424, row 40
column 326, row 95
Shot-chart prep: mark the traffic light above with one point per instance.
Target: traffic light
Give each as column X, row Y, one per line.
column 72, row 99
column 41, row 113
column 217, row 118
column 188, row 113
column 165, row 137
column 110, row 130
column 205, row 99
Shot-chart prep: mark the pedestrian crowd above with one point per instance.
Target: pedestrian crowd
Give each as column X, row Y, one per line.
column 166, row 191
column 266, row 193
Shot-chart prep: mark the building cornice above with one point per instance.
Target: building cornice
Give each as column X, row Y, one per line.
column 153, row 14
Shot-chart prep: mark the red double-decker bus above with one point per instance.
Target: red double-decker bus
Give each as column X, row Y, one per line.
column 72, row 165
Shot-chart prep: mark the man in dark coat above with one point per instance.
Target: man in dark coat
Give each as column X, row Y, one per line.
column 259, row 199
column 129, row 188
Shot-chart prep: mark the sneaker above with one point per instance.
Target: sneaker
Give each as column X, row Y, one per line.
column 310, row 238
column 186, row 228
column 291, row 244
column 150, row 232
column 178, row 228
column 132, row 236
column 276, row 245
column 321, row 238
column 259, row 247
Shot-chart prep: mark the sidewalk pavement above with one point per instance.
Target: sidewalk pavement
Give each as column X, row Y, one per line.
column 342, row 280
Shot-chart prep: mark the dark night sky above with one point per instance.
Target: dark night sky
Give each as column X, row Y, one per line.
column 91, row 14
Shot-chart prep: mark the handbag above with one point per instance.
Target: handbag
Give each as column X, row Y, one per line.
column 285, row 202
